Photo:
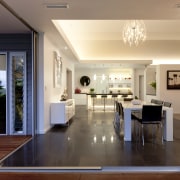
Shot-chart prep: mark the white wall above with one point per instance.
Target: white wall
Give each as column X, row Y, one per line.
column 90, row 72
column 164, row 93
column 99, row 85
column 47, row 92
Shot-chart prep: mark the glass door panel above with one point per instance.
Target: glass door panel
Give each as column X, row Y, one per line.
column 3, row 91
column 18, row 93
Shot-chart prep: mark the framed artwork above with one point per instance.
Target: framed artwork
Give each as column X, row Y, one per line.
column 173, row 79
column 57, row 71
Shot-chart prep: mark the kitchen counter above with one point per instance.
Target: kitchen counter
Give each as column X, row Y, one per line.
column 109, row 94
column 105, row 103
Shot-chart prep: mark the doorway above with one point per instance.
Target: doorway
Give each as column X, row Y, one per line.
column 69, row 83
column 141, row 87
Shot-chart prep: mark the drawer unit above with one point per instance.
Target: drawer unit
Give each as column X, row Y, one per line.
column 62, row 112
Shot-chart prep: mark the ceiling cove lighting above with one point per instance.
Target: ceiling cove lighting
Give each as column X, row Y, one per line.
column 59, row 5
column 134, row 32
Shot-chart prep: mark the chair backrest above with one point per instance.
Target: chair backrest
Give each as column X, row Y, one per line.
column 167, row 104
column 151, row 113
column 159, row 102
column 117, row 106
column 121, row 110
column 153, row 101
column 156, row 101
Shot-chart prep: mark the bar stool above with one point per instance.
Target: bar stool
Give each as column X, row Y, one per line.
column 114, row 96
column 104, row 100
column 93, row 96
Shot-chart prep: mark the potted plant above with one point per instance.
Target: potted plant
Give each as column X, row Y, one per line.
column 91, row 90
column 153, row 84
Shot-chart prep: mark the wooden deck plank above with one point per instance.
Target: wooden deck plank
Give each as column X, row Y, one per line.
column 10, row 143
column 89, row 176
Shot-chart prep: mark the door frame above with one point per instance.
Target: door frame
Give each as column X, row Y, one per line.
column 5, row 53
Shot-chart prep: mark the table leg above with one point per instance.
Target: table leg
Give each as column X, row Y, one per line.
column 168, row 124
column 127, row 124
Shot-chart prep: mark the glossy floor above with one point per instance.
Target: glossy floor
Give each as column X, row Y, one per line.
column 90, row 140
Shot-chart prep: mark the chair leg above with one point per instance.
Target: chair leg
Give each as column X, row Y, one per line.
column 162, row 133
column 138, row 131
column 142, row 133
column 153, row 134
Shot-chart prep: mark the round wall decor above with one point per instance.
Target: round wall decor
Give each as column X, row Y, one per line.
column 85, row 80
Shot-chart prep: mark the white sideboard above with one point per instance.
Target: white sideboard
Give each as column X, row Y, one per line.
column 62, row 112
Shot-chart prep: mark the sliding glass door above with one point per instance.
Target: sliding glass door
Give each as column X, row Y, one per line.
column 3, row 92
column 18, row 93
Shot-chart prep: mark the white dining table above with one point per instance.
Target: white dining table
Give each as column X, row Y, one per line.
column 128, row 107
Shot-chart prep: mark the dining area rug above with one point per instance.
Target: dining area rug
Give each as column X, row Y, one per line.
column 9, row 144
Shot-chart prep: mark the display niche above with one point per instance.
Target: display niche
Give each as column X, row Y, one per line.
column 85, row 81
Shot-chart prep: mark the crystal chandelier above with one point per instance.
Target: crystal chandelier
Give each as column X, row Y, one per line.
column 134, row 32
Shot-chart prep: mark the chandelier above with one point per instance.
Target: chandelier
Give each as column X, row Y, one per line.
column 134, row 32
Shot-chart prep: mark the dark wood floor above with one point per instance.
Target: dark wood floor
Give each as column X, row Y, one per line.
column 91, row 141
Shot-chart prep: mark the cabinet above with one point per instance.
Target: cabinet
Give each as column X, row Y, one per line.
column 120, row 86
column 62, row 112
column 80, row 99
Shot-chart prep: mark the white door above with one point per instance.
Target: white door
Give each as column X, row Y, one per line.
column 69, row 83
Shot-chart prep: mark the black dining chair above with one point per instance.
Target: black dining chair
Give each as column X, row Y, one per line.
column 153, row 101
column 167, row 104
column 151, row 114
column 159, row 102
column 135, row 114
column 119, row 116
column 156, row 101
column 114, row 97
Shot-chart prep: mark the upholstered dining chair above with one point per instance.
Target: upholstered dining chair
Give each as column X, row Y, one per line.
column 119, row 116
column 153, row 101
column 159, row 102
column 156, row 101
column 167, row 104
column 151, row 114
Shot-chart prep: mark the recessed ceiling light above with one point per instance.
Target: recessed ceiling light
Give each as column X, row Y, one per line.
column 57, row 5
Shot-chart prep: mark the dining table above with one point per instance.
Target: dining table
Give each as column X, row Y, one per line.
column 167, row 113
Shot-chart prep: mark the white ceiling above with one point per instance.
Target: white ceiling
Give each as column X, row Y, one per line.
column 96, row 26
column 102, row 39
